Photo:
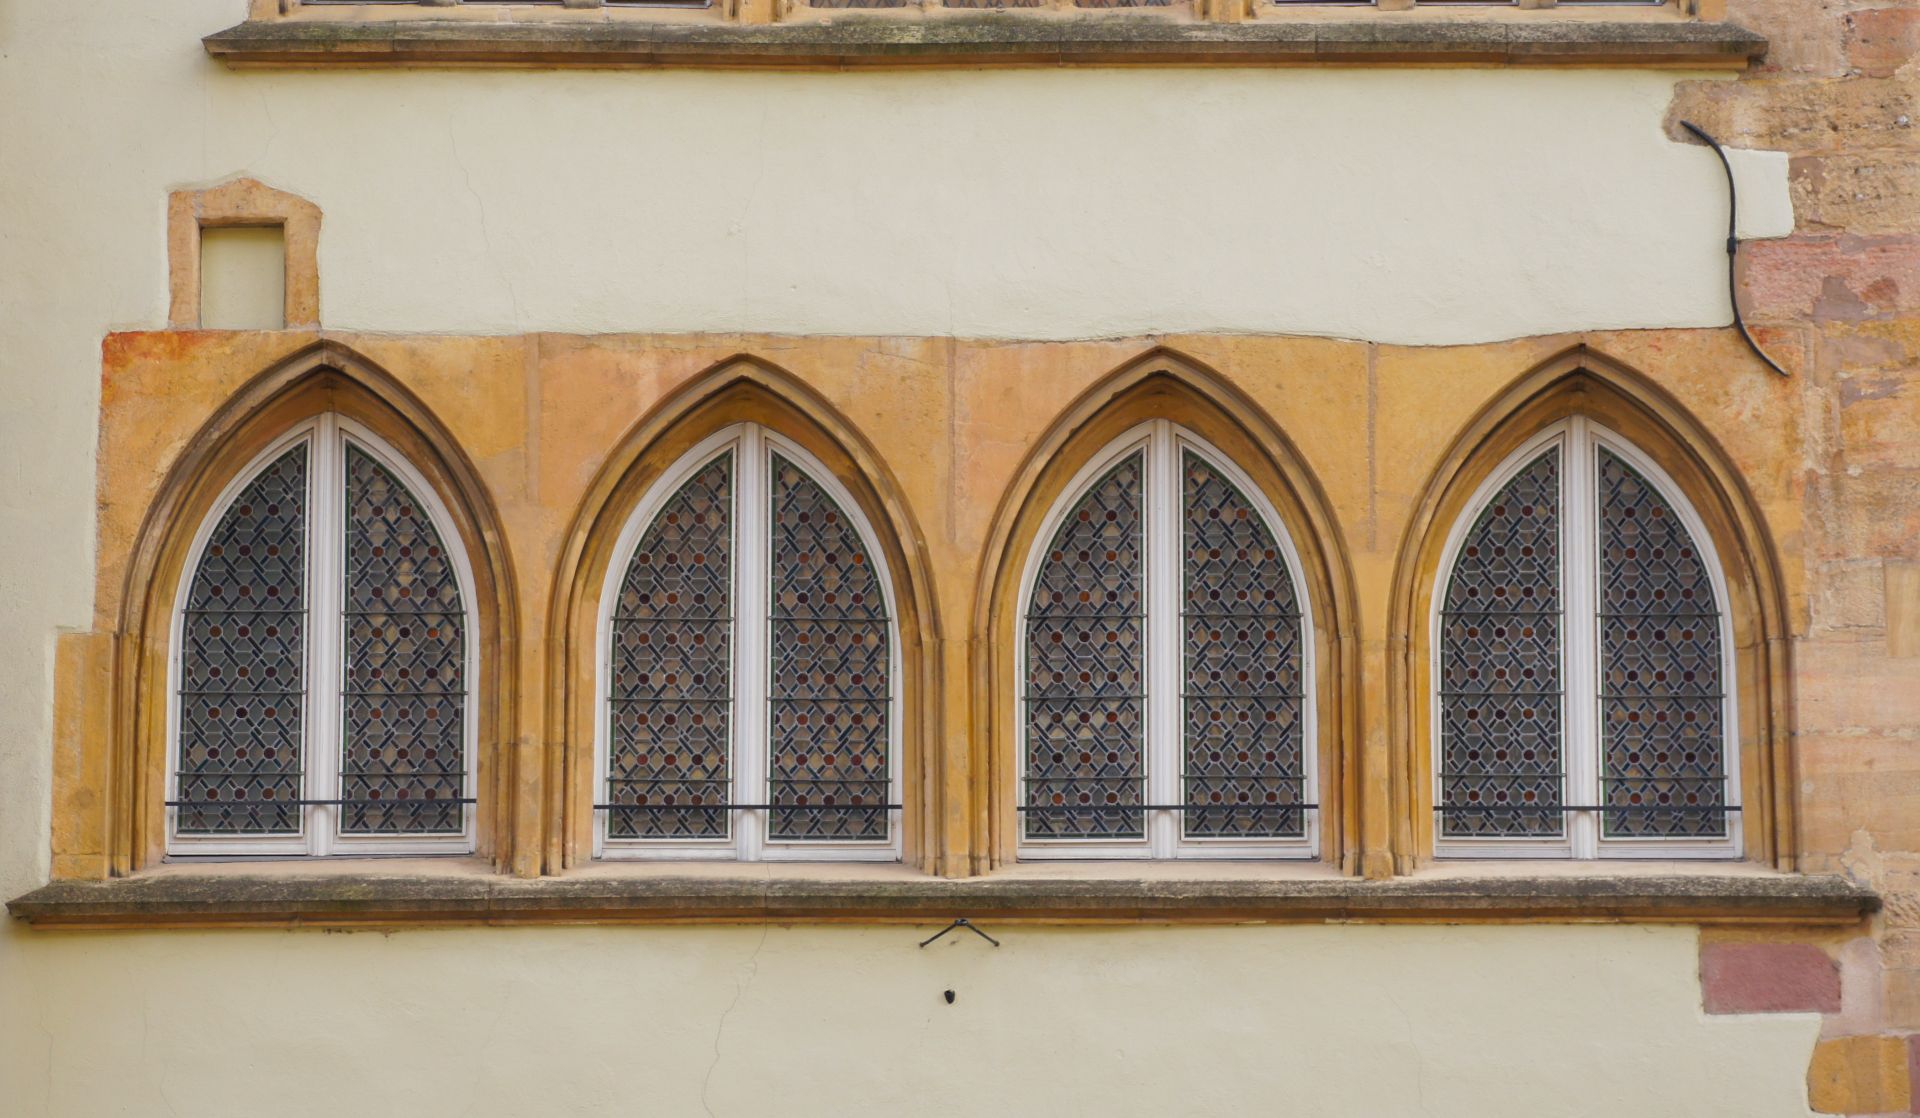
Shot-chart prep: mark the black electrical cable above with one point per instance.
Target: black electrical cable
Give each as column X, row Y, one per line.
column 1733, row 246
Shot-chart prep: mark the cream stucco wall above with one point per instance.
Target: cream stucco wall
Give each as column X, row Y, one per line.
column 1304, row 1021
column 1413, row 206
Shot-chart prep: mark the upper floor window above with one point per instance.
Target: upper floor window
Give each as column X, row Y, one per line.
column 748, row 665
column 1582, row 663
column 321, row 655
column 1166, row 677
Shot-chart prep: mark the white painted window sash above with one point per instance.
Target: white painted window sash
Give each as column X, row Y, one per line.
column 1165, row 639
column 322, row 729
column 1579, row 441
column 750, row 741
column 1162, row 443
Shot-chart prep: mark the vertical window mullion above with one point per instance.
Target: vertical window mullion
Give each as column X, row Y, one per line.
column 752, row 655
column 325, row 538
column 1579, row 577
column 1163, row 737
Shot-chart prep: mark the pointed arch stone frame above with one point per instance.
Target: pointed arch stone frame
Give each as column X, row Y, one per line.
column 1585, row 382
column 740, row 389
column 108, row 679
column 325, row 376
column 1164, row 384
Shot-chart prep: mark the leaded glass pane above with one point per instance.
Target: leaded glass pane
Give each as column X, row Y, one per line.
column 1663, row 760
column 1241, row 772
column 828, row 771
column 403, row 691
column 1085, row 670
column 1500, row 688
column 670, row 679
column 242, row 663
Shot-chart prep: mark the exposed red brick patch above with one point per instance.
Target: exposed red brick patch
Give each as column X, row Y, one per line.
column 1832, row 278
column 1881, row 40
column 1913, row 1073
column 1768, row 978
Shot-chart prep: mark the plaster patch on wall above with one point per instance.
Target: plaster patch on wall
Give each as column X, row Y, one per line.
column 1766, row 201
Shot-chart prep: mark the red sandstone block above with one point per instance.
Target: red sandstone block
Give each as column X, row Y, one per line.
column 1881, row 40
column 1768, row 978
column 1913, row 1072
column 1844, row 279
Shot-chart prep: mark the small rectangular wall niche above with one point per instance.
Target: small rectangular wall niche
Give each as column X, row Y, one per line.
column 243, row 277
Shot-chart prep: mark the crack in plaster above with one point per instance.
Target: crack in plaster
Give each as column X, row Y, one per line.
column 486, row 231
column 1419, row 1057
column 748, row 972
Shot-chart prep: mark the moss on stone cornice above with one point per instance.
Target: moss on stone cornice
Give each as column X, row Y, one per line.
column 1000, row 39
column 187, row 899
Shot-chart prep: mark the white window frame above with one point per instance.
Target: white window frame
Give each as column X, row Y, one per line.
column 326, row 437
column 752, row 541
column 1164, row 721
column 1580, row 440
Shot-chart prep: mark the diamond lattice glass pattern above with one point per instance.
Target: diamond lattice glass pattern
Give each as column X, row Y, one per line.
column 828, row 772
column 1500, row 690
column 1085, row 649
column 670, row 680
column 1241, row 772
column 242, row 663
column 1663, row 762
column 403, row 691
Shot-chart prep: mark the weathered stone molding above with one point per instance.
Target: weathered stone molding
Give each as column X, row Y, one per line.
column 740, row 389
column 188, row 900
column 1166, row 384
column 1583, row 380
column 1000, row 39
column 242, row 202
column 112, row 786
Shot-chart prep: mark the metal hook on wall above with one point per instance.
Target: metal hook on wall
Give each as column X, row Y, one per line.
column 960, row 922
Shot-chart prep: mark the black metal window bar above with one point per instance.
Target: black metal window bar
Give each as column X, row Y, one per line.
column 1624, row 809
column 1112, row 808
column 415, row 805
column 725, row 783
column 1164, row 807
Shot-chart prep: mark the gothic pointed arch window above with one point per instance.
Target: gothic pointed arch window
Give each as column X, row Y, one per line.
column 1165, row 669
column 1583, row 663
column 748, row 666
column 322, row 650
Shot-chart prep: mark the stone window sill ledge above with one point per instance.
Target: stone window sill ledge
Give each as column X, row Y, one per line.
column 194, row 897
column 999, row 39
